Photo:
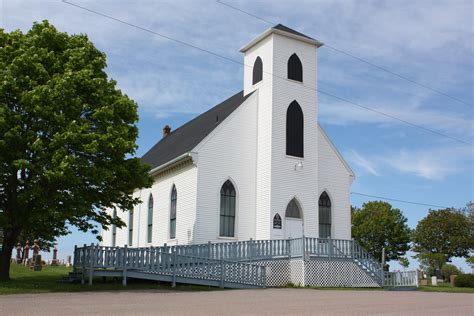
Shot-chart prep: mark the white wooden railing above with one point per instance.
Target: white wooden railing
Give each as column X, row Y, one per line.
column 235, row 255
column 401, row 279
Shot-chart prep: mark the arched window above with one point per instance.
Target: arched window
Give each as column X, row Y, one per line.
column 295, row 68
column 114, row 228
column 174, row 198
column 130, row 227
column 294, row 130
column 293, row 210
column 150, row 219
column 277, row 221
column 324, row 216
column 257, row 71
column 227, row 212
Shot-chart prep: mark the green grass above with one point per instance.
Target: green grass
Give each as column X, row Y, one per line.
column 446, row 288
column 24, row 280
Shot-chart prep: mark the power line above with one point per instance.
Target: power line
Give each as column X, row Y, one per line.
column 359, row 59
column 397, row 200
column 271, row 74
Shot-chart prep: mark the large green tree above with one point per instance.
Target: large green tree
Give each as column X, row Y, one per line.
column 378, row 225
column 441, row 235
column 67, row 138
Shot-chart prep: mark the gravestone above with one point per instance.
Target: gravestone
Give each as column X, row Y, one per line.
column 36, row 260
column 434, row 281
column 68, row 262
column 18, row 253
column 26, row 250
column 54, row 262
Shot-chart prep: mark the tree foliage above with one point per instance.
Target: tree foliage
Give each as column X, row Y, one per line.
column 404, row 262
column 67, row 137
column 443, row 234
column 378, row 225
column 448, row 270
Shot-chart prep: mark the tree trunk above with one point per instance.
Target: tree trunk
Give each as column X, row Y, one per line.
column 5, row 256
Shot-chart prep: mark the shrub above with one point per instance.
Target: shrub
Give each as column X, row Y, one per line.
column 449, row 269
column 464, row 280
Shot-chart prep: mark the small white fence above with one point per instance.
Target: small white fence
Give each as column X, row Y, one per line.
column 401, row 279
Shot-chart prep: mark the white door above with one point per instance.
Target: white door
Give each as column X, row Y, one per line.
column 293, row 227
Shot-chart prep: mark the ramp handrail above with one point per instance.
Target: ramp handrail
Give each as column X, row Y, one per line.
column 233, row 251
column 154, row 260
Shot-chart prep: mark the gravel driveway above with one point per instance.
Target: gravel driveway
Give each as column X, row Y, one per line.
column 240, row 302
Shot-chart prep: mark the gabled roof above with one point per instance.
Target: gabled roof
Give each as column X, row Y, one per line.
column 285, row 31
column 185, row 138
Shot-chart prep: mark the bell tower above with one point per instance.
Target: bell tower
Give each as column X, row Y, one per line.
column 280, row 65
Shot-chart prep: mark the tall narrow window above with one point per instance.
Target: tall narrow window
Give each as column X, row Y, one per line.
column 227, row 212
column 149, row 234
column 324, row 216
column 294, row 130
column 295, row 68
column 114, row 228
column 174, row 197
column 130, row 227
column 257, row 70
column 293, row 210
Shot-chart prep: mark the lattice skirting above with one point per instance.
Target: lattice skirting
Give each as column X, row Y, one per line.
column 316, row 272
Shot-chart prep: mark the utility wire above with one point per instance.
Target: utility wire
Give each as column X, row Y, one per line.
column 397, row 200
column 358, row 58
column 271, row 74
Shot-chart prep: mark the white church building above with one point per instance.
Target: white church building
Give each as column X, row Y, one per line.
column 256, row 166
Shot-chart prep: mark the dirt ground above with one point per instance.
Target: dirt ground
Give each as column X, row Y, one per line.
column 240, row 302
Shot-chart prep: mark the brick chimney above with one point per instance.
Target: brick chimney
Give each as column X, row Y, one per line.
column 166, row 130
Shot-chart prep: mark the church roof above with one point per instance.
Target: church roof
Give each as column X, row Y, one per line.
column 285, row 31
column 185, row 138
column 284, row 28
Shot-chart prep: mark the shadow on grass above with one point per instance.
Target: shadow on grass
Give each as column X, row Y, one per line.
column 48, row 280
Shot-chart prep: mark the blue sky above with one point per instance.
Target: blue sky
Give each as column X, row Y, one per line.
column 426, row 41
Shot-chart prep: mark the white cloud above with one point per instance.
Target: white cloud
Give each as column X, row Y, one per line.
column 428, row 163
column 365, row 164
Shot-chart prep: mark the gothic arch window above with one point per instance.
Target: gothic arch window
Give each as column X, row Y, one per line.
column 257, row 71
column 150, row 219
column 114, row 228
column 295, row 68
column 324, row 216
column 294, row 130
column 174, row 199
column 277, row 221
column 130, row 227
column 227, row 210
column 293, row 210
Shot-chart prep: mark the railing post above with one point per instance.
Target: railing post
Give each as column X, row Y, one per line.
column 289, row 248
column 91, row 266
column 303, row 248
column 251, row 249
column 352, row 249
column 209, row 249
column 74, row 262
column 264, row 276
column 173, row 284
column 83, row 264
column 222, row 273
column 124, row 266
column 330, row 248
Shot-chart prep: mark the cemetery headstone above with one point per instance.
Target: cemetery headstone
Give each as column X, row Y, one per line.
column 26, row 250
column 54, row 262
column 434, row 281
column 18, row 253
